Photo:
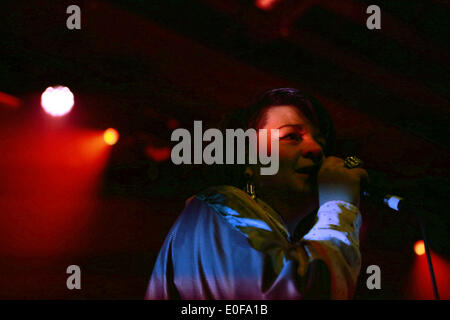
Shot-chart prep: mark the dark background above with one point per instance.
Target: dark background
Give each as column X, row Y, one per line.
column 147, row 67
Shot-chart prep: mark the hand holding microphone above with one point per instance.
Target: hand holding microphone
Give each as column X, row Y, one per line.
column 346, row 180
column 340, row 179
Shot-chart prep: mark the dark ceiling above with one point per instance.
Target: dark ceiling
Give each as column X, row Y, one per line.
column 398, row 75
column 136, row 65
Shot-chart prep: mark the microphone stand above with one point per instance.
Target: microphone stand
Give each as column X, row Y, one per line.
column 401, row 205
column 427, row 251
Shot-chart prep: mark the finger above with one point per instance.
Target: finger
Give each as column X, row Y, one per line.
column 363, row 174
column 334, row 159
column 333, row 162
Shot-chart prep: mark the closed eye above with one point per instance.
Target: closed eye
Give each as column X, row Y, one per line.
column 291, row 136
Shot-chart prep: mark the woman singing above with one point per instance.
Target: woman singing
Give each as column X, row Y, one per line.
column 292, row 235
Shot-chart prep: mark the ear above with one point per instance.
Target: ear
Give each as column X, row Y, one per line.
column 248, row 172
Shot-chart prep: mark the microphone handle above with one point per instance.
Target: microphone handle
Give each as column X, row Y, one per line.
column 377, row 195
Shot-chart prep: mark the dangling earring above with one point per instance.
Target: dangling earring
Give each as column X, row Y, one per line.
column 250, row 188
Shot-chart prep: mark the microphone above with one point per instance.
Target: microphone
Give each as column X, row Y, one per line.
column 375, row 190
column 424, row 194
column 380, row 196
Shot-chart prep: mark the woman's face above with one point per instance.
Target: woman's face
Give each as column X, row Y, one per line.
column 300, row 156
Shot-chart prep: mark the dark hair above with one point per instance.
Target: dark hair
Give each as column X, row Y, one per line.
column 254, row 116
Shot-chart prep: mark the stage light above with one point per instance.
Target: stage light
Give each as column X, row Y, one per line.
column 57, row 101
column 419, row 248
column 158, row 154
column 266, row 4
column 173, row 123
column 110, row 136
column 9, row 100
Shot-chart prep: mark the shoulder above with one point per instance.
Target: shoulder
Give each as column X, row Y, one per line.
column 207, row 207
column 224, row 200
column 203, row 222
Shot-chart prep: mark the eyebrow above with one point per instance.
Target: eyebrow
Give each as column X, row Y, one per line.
column 300, row 126
column 317, row 136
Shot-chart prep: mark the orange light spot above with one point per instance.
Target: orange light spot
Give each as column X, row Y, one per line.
column 110, row 136
column 419, row 247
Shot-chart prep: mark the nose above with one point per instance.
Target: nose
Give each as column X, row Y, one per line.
column 311, row 149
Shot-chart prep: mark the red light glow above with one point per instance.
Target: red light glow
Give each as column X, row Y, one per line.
column 57, row 101
column 266, row 4
column 419, row 285
column 173, row 123
column 52, row 187
column 158, row 154
column 9, row 101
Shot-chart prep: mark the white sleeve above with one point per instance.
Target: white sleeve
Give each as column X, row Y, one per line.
column 335, row 240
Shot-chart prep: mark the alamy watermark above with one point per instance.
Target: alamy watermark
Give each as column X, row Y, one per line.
column 374, row 280
column 74, row 20
column 259, row 147
column 74, row 280
column 374, row 20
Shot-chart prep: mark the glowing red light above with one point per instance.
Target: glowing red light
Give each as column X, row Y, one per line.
column 419, row 248
column 9, row 101
column 110, row 136
column 57, row 101
column 266, row 4
column 173, row 123
column 158, row 154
